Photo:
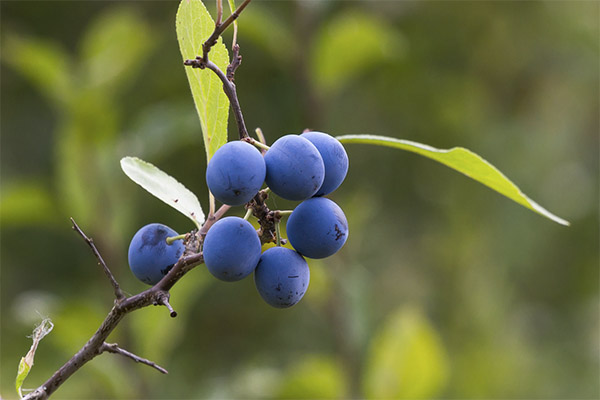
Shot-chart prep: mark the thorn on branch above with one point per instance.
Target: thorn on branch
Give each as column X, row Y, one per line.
column 114, row 348
column 164, row 300
column 236, row 60
column 198, row 62
column 118, row 292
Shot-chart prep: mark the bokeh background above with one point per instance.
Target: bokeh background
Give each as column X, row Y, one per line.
column 445, row 289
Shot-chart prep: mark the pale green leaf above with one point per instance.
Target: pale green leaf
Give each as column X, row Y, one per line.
column 114, row 48
column 40, row 331
column 406, row 359
column 350, row 44
column 22, row 373
column 465, row 162
column 194, row 25
column 164, row 187
column 52, row 76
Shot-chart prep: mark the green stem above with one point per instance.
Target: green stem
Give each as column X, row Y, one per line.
column 278, row 234
column 259, row 144
column 260, row 135
column 248, row 214
column 285, row 212
column 171, row 239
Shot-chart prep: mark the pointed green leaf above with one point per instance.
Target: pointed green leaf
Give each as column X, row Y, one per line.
column 164, row 187
column 194, row 25
column 54, row 78
column 465, row 162
column 406, row 359
column 113, row 48
column 22, row 373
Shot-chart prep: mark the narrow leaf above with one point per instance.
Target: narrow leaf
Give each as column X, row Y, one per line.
column 164, row 187
column 465, row 162
column 194, row 25
column 22, row 373
column 40, row 331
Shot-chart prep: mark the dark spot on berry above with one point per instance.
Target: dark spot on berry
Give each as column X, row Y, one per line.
column 338, row 233
column 167, row 269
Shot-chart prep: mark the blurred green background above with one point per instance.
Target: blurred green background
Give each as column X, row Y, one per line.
column 444, row 289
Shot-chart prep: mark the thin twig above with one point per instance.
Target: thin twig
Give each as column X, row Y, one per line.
column 228, row 88
column 236, row 60
column 118, row 292
column 219, row 29
column 219, row 12
column 114, row 348
column 164, row 300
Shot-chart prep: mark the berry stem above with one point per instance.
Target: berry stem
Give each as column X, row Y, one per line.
column 256, row 143
column 285, row 212
column 278, row 234
column 260, row 135
column 248, row 214
column 171, row 239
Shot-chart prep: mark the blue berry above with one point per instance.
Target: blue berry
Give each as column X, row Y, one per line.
column 150, row 257
column 317, row 228
column 235, row 173
column 281, row 277
column 295, row 169
column 231, row 249
column 334, row 157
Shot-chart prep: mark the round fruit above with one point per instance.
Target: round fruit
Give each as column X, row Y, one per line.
column 295, row 169
column 150, row 257
column 334, row 157
column 231, row 249
column 317, row 228
column 281, row 277
column 235, row 173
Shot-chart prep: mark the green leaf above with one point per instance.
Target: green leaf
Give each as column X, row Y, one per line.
column 114, row 48
column 465, row 162
column 194, row 25
column 22, row 373
column 406, row 359
column 164, row 187
column 40, row 331
column 350, row 44
column 53, row 76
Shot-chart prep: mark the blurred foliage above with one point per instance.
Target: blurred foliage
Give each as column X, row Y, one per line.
column 444, row 288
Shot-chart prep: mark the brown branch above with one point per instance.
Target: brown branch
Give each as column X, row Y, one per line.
column 228, row 88
column 236, row 60
column 220, row 28
column 118, row 292
column 151, row 296
column 164, row 300
column 219, row 13
column 114, row 348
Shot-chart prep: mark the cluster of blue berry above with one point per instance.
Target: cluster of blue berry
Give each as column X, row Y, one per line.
column 296, row 167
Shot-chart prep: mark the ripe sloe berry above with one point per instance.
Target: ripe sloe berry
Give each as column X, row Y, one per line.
column 317, row 228
column 334, row 157
column 235, row 173
column 231, row 249
column 281, row 277
column 150, row 257
column 295, row 169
